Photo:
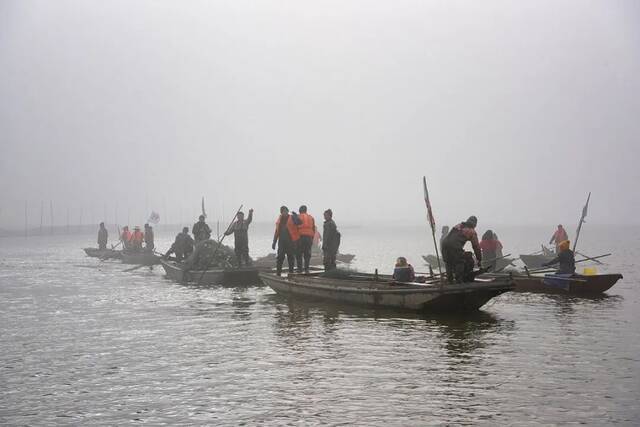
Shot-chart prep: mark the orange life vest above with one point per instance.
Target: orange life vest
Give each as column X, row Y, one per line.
column 137, row 236
column 126, row 236
column 308, row 226
column 291, row 227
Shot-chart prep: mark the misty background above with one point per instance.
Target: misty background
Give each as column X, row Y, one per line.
column 513, row 111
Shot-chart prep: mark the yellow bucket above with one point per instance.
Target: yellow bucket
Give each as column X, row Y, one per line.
column 589, row 271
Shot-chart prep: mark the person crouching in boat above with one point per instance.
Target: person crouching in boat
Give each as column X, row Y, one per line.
column 103, row 236
column 203, row 256
column 453, row 249
column 566, row 259
column 491, row 249
column 182, row 246
column 403, row 271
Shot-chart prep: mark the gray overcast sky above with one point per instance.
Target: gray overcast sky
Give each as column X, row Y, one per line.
column 513, row 110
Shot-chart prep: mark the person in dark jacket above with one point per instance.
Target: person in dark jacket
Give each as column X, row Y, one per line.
column 453, row 249
column 566, row 259
column 201, row 230
column 286, row 236
column 240, row 231
column 182, row 246
column 103, row 237
column 149, row 243
column 403, row 271
column 330, row 241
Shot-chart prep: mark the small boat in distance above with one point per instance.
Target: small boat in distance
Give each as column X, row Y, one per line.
column 369, row 290
column 575, row 284
column 103, row 253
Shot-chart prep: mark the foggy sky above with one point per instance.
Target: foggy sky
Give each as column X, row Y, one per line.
column 514, row 111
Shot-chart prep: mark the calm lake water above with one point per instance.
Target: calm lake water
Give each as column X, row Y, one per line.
column 83, row 342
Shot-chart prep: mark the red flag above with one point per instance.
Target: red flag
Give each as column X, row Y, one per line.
column 432, row 221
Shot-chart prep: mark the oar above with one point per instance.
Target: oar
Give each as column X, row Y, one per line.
column 539, row 269
column 589, row 258
column 219, row 244
column 135, row 268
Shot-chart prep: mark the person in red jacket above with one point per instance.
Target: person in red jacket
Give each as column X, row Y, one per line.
column 126, row 237
column 136, row 239
column 307, row 231
column 286, row 236
column 559, row 236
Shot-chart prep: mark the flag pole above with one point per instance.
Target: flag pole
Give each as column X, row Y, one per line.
column 432, row 223
column 582, row 217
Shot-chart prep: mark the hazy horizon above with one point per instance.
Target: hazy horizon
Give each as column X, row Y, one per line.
column 512, row 111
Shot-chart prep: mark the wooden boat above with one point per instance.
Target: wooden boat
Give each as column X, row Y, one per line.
column 269, row 261
column 103, row 253
column 567, row 284
column 536, row 261
column 382, row 292
column 246, row 276
column 140, row 258
column 432, row 261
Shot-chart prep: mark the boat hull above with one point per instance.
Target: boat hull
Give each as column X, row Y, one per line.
column 103, row 253
column 575, row 285
column 413, row 297
column 227, row 277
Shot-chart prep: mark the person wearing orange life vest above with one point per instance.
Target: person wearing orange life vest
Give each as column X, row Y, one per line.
column 136, row 239
column 286, row 236
column 307, row 231
column 125, row 237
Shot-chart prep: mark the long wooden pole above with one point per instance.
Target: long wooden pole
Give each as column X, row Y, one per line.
column 432, row 223
column 582, row 216
column 51, row 215
column 26, row 220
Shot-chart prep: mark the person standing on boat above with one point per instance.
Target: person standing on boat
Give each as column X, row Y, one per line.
column 182, row 246
column 330, row 241
column 125, row 237
column 240, row 231
column 286, row 236
column 566, row 259
column 148, row 238
column 490, row 247
column 136, row 239
column 307, row 231
column 559, row 236
column 103, row 237
column 453, row 249
column 201, row 230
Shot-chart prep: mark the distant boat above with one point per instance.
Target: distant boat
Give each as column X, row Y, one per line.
column 369, row 290
column 537, row 260
column 246, row 276
column 316, row 259
column 567, row 284
column 103, row 253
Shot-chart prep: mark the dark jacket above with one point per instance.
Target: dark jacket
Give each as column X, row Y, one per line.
column 201, row 231
column 240, row 231
column 566, row 260
column 330, row 237
column 103, row 236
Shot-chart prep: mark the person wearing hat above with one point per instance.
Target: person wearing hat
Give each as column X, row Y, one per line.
column 103, row 236
column 566, row 259
column 240, row 231
column 201, row 230
column 137, row 238
column 453, row 249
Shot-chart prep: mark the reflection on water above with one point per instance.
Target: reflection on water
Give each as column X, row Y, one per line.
column 84, row 342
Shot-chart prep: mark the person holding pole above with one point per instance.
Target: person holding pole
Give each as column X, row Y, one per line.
column 240, row 230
